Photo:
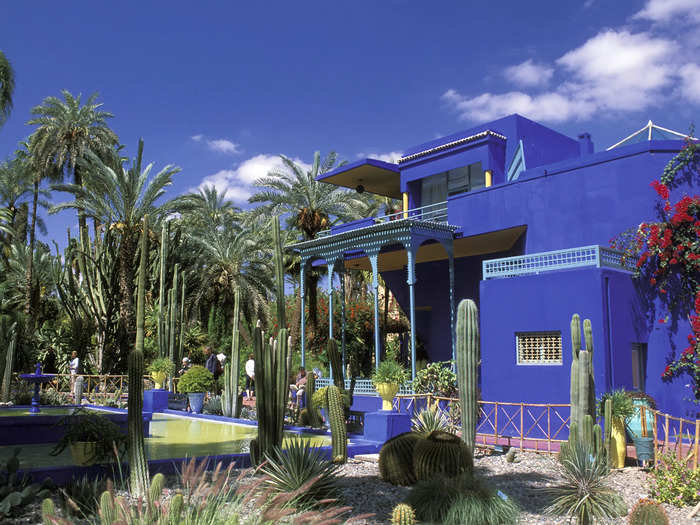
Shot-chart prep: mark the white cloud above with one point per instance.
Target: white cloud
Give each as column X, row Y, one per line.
column 529, row 74
column 664, row 11
column 616, row 70
column 390, row 156
column 690, row 82
column 238, row 182
column 218, row 145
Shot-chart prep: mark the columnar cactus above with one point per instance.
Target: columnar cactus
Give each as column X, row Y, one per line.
column 162, row 317
column 582, row 382
column 336, row 361
column 311, row 408
column 172, row 322
column 467, row 356
column 271, row 374
column 48, row 511
column 396, row 459
column 441, row 454
column 138, row 466
column 607, row 441
column 336, row 416
column 229, row 397
column 9, row 362
column 403, row 514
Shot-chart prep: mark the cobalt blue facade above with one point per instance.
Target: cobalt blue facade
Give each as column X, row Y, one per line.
column 543, row 192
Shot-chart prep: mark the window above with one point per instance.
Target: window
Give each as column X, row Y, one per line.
column 639, row 366
column 538, row 348
column 438, row 187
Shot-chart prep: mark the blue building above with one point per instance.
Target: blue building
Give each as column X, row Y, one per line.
column 518, row 217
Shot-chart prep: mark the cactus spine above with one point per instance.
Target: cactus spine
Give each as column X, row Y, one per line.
column 229, row 397
column 336, row 416
column 582, row 389
column 467, row 356
column 403, row 514
column 271, row 372
column 138, row 466
column 9, row 362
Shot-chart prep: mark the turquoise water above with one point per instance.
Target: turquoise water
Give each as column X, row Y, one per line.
column 170, row 437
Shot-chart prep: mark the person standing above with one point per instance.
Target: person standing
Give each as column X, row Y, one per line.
column 73, row 366
column 250, row 376
column 213, row 365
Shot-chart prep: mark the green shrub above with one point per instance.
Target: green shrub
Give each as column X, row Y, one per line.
column 673, row 482
column 584, row 495
column 479, row 503
column 432, row 498
column 213, row 406
column 162, row 364
column 196, row 379
column 437, row 379
column 647, row 512
column 389, row 371
column 622, row 404
column 85, row 425
column 300, row 465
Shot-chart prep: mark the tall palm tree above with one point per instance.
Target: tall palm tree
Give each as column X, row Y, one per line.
column 206, row 209
column 7, row 87
column 311, row 206
column 119, row 198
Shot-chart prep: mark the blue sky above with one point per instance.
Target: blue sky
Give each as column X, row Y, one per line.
column 221, row 88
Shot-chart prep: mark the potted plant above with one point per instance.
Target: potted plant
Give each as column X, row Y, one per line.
column 622, row 411
column 642, row 430
column 195, row 383
column 160, row 369
column 387, row 379
column 91, row 438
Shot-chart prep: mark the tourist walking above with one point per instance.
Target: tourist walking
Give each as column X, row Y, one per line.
column 73, row 366
column 250, row 376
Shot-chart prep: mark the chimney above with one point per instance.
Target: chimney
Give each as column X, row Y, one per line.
column 585, row 144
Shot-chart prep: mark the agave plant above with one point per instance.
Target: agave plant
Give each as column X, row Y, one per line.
column 294, row 467
column 431, row 419
column 584, row 494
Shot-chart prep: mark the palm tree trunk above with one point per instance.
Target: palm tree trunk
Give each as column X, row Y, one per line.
column 28, row 307
column 127, row 318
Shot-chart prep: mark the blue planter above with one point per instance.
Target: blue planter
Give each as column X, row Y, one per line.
column 634, row 425
column 644, row 448
column 196, row 402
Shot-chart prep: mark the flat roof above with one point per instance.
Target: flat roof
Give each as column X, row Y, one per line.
column 375, row 176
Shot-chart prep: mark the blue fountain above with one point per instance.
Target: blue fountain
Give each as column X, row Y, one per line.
column 37, row 378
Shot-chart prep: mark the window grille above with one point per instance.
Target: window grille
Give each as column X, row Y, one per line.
column 538, row 348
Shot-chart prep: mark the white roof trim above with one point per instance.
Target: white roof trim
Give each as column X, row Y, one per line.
column 452, row 144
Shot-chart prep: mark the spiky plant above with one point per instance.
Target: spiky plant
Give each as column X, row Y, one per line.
column 431, row 419
column 584, row 494
column 287, row 470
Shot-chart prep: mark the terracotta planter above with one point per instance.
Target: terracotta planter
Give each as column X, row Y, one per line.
column 158, row 379
column 618, row 443
column 83, row 452
column 387, row 391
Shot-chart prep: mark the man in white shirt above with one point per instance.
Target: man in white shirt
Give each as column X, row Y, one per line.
column 74, row 365
column 250, row 376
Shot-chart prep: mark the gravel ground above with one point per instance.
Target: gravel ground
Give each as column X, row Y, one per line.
column 524, row 481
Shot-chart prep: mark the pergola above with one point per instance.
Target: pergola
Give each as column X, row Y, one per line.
column 387, row 245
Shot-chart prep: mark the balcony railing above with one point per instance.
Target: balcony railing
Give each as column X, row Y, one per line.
column 433, row 212
column 555, row 260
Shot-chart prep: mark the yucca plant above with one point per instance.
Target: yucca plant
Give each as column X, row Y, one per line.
column 431, row 419
column 286, row 470
column 584, row 494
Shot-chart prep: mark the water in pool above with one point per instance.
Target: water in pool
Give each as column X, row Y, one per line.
column 170, row 437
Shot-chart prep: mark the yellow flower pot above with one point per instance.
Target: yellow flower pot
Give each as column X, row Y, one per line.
column 618, row 443
column 158, row 379
column 83, row 452
column 387, row 391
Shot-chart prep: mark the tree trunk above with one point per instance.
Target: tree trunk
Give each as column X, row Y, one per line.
column 312, row 289
column 28, row 307
column 127, row 318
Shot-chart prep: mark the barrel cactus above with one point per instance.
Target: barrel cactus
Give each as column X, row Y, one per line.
column 403, row 515
column 396, row 459
column 441, row 454
column 647, row 512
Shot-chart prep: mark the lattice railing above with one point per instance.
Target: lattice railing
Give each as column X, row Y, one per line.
column 98, row 385
column 555, row 260
column 364, row 386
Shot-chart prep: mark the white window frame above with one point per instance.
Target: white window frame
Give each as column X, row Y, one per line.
column 539, row 333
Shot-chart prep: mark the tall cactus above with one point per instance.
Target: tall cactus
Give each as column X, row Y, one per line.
column 336, row 361
column 229, row 397
column 607, row 441
column 271, row 374
column 336, row 416
column 9, row 361
column 181, row 339
column 582, row 390
column 138, row 466
column 314, row 420
column 172, row 322
column 467, row 355
column 162, row 319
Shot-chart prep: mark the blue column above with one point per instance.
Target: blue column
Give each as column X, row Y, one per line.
column 375, row 289
column 341, row 273
column 411, row 281
column 330, row 309
column 451, row 266
column 302, row 272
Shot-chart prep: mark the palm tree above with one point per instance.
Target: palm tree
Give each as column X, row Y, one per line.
column 312, row 206
column 207, row 209
column 119, row 198
column 7, row 87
